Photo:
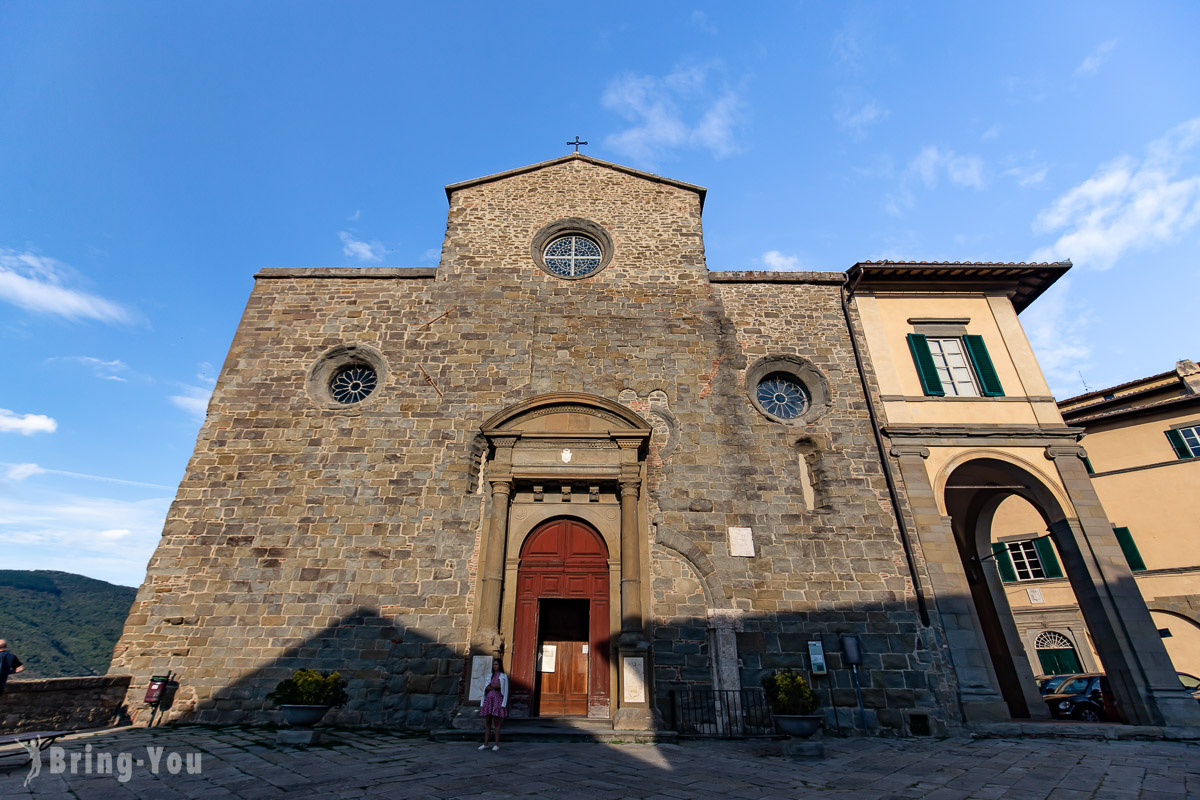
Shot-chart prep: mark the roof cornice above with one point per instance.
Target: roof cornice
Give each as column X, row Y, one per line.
column 691, row 187
column 1024, row 282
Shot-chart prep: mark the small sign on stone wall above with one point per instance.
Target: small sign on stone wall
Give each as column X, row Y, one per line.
column 481, row 667
column 741, row 542
column 1035, row 595
column 633, row 679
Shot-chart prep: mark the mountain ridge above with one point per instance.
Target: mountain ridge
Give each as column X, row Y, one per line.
column 61, row 624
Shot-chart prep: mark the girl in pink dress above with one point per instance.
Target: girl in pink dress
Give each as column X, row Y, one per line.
column 494, row 707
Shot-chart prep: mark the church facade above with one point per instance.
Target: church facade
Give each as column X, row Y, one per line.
column 573, row 446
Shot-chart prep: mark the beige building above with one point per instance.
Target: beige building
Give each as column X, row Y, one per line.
column 1143, row 453
column 980, row 444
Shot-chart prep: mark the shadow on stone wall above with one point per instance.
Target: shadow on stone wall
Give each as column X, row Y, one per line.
column 63, row 703
column 401, row 678
column 396, row 678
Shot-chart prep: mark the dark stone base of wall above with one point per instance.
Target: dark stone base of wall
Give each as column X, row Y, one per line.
column 63, row 704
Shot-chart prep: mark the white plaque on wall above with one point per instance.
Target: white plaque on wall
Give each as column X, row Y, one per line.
column 549, row 658
column 633, row 679
column 481, row 668
column 741, row 542
column 1035, row 595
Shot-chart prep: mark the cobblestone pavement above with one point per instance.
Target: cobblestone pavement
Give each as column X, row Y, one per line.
column 245, row 763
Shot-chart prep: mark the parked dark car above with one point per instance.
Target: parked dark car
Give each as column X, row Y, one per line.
column 1191, row 683
column 1048, row 683
column 1082, row 697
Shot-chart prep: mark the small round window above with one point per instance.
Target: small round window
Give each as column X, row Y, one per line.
column 782, row 396
column 572, row 256
column 352, row 383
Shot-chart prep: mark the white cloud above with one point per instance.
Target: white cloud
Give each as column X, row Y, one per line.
column 700, row 20
column 19, row 472
column 1027, row 176
column 35, row 283
column 678, row 111
column 1056, row 327
column 857, row 121
column 102, row 537
column 931, row 163
column 363, row 251
column 773, row 259
column 100, row 368
column 928, row 168
column 193, row 400
column 1091, row 64
column 27, row 424
column 991, row 133
column 1127, row 204
column 353, row 217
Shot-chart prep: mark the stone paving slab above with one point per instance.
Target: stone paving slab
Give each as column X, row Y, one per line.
column 246, row 764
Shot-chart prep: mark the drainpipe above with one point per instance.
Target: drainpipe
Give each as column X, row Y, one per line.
column 847, row 291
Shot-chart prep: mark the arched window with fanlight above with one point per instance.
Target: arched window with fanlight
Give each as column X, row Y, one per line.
column 1056, row 654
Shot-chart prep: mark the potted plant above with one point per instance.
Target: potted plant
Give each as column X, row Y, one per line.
column 307, row 695
column 792, row 702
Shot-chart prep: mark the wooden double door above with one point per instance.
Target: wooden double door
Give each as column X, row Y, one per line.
column 561, row 641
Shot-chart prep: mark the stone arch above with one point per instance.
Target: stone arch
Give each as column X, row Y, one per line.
column 604, row 410
column 685, row 549
column 1043, row 492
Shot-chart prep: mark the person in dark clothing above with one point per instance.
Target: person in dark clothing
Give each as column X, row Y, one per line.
column 9, row 664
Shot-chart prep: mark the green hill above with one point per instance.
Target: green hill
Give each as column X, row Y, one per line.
column 61, row 625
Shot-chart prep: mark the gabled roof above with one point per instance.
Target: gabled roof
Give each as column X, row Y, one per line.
column 1025, row 281
column 700, row 190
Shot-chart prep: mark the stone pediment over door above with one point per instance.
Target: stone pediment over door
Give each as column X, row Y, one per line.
column 568, row 434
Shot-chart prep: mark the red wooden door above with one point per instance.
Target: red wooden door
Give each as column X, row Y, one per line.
column 566, row 559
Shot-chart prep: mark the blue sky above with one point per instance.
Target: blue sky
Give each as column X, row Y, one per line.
column 153, row 156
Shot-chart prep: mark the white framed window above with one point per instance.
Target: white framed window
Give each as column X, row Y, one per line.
column 953, row 367
column 1191, row 437
column 1026, row 562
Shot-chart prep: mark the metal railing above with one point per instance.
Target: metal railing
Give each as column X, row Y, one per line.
column 721, row 713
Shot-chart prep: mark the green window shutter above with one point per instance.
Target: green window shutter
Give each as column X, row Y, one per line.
column 1087, row 464
column 1125, row 539
column 988, row 379
column 1046, row 555
column 926, row 369
column 1181, row 448
column 1004, row 562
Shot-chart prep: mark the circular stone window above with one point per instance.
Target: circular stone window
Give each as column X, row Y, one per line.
column 347, row 375
column 572, row 248
column 352, row 384
column 788, row 389
column 572, row 256
column 782, row 396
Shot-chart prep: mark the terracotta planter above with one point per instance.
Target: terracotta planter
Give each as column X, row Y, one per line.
column 801, row 726
column 302, row 716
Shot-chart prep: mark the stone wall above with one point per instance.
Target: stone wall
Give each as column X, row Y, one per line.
column 311, row 535
column 63, row 703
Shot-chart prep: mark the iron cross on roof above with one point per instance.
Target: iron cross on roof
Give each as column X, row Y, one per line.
column 576, row 143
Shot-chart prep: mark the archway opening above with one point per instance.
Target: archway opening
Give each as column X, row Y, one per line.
column 989, row 499
column 561, row 639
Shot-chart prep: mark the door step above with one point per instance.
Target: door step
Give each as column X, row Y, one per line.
column 556, row 730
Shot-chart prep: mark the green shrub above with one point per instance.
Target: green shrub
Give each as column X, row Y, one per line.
column 789, row 693
column 307, row 687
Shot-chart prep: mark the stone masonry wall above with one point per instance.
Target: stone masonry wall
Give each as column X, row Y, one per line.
column 56, row 704
column 346, row 538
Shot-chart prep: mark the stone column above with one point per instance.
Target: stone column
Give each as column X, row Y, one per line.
column 493, row 567
column 978, row 689
column 1135, row 661
column 635, row 698
column 631, row 562
column 487, row 641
